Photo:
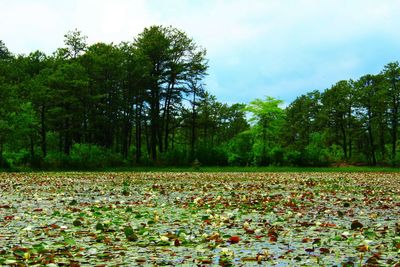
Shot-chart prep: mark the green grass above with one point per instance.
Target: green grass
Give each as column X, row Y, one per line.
column 256, row 169
column 352, row 169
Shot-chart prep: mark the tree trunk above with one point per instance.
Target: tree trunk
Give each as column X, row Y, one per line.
column 60, row 142
column 371, row 139
column 193, row 137
column 167, row 111
column 153, row 128
column 350, row 147
column 173, row 138
column 1, row 154
column 264, row 150
column 350, row 132
column 43, row 131
column 138, row 134
column 167, row 122
column 395, row 118
column 344, row 140
column 148, row 141
column 382, row 139
column 32, row 147
column 67, row 138
column 125, row 139
column 394, row 131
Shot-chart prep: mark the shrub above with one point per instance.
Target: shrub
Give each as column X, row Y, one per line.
column 83, row 156
column 87, row 156
column 262, row 160
column 293, row 158
column 215, row 156
column 276, row 155
column 56, row 160
column 240, row 149
column 395, row 162
column 4, row 164
column 335, row 153
column 315, row 153
column 18, row 158
column 23, row 157
column 174, row 157
column 236, row 160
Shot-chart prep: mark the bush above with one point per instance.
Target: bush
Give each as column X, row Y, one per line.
column 262, row 160
column 83, row 156
column 335, row 153
column 273, row 156
column 56, row 160
column 4, row 164
column 237, row 160
column 36, row 162
column 394, row 162
column 315, row 153
column 293, row 158
column 240, row 149
column 86, row 156
column 276, row 155
column 196, row 165
column 22, row 158
column 18, row 158
column 215, row 156
column 174, row 157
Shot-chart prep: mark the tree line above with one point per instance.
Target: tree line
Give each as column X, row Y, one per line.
column 144, row 102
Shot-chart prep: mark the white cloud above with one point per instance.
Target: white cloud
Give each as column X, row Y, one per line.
column 28, row 25
column 221, row 25
column 111, row 21
column 31, row 25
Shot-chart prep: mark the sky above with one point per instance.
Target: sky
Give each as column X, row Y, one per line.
column 255, row 48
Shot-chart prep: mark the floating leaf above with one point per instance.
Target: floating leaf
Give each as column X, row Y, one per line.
column 280, row 208
column 130, row 234
column 355, row 225
column 234, row 239
column 363, row 248
column 73, row 202
column 70, row 241
column 99, row 227
column 129, row 209
column 77, row 222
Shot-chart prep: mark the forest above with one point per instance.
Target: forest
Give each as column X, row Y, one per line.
column 145, row 103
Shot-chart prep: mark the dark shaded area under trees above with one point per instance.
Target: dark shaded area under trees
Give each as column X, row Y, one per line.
column 144, row 103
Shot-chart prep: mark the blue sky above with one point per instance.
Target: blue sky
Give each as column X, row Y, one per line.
column 255, row 48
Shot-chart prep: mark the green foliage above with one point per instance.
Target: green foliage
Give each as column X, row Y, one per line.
column 215, row 156
column 144, row 103
column 92, row 156
column 302, row 117
column 277, row 156
column 84, row 156
column 394, row 162
column 4, row 52
column 293, row 158
column 240, row 149
column 57, row 160
column 196, row 165
column 21, row 157
column 4, row 163
column 335, row 153
column 174, row 157
column 268, row 110
column 315, row 153
column 268, row 119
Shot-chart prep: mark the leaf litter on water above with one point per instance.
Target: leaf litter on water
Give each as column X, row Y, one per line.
column 211, row 219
